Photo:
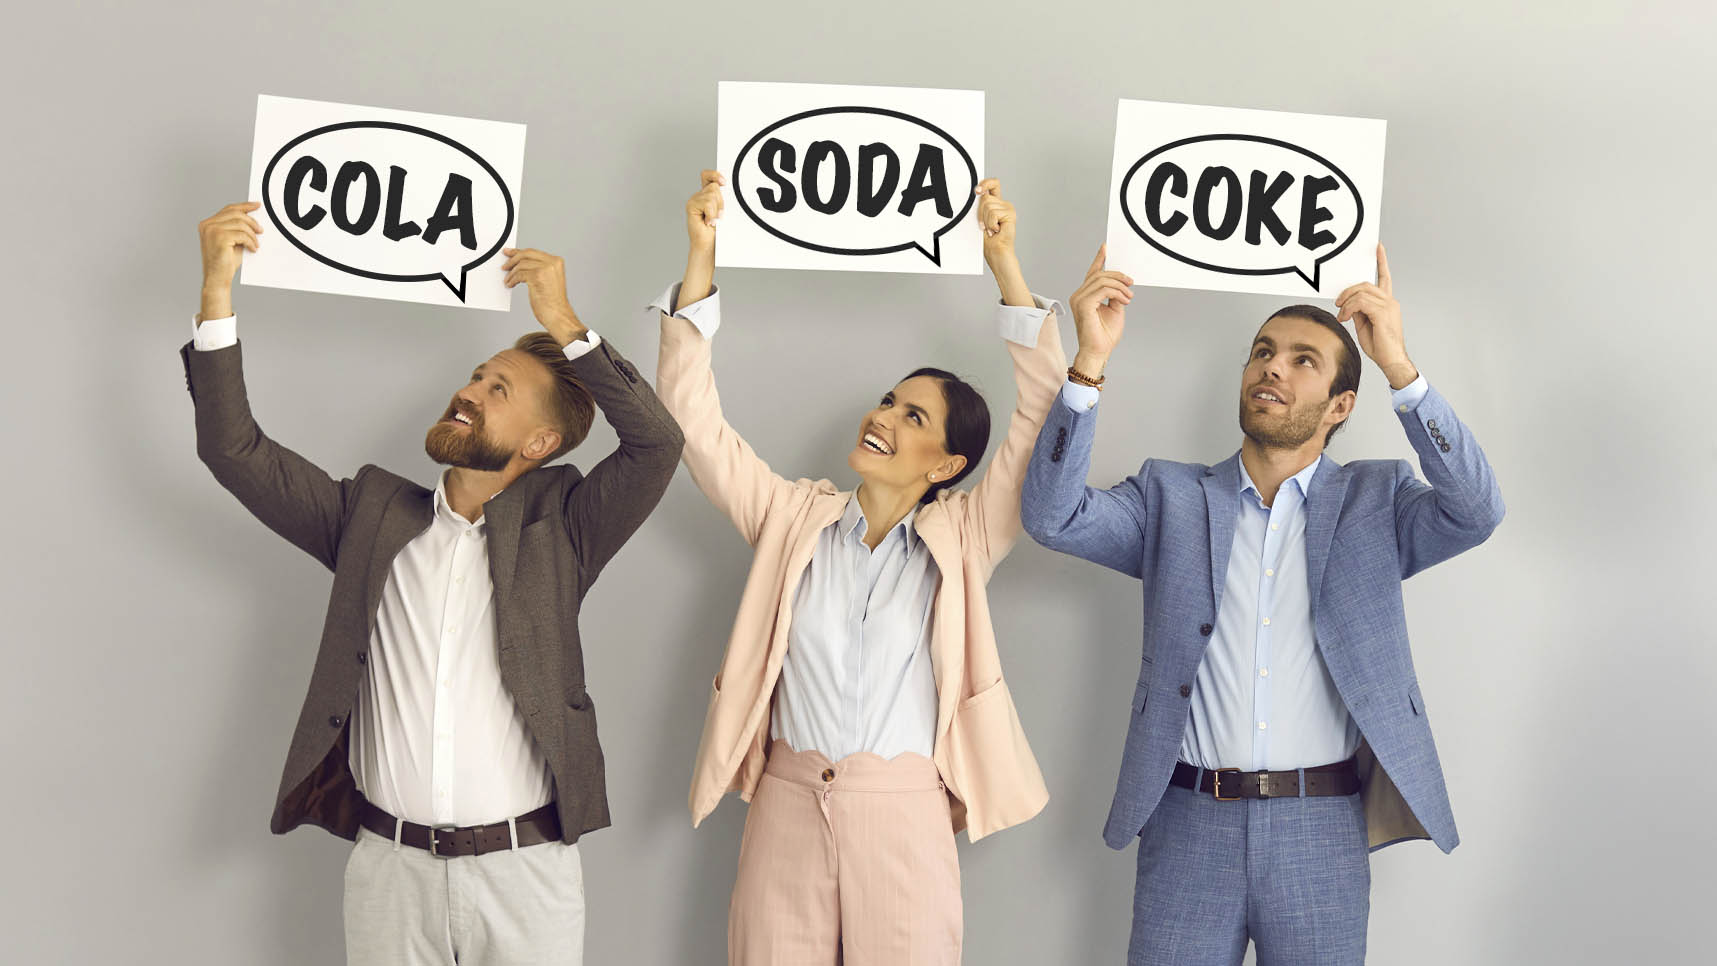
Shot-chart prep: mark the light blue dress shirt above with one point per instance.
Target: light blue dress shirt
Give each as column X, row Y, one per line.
column 1262, row 698
column 857, row 674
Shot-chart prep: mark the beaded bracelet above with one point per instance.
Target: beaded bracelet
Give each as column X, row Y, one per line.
column 1075, row 376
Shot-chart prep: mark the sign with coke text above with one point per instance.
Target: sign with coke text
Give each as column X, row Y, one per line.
column 1244, row 201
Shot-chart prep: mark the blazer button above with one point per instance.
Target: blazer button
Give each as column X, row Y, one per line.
column 828, row 774
column 1186, row 690
column 363, row 658
column 334, row 720
column 1205, row 629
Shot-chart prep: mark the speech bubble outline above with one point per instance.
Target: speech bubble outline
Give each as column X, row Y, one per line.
column 934, row 252
column 1317, row 263
column 465, row 269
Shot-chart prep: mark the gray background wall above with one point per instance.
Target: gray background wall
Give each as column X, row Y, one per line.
column 1548, row 210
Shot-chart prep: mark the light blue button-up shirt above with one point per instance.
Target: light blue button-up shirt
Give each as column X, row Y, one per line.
column 1263, row 698
column 857, row 675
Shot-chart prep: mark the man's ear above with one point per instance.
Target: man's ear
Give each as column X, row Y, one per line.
column 1341, row 408
column 543, row 442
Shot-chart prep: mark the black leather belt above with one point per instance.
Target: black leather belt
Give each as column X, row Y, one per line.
column 448, row 842
column 1232, row 784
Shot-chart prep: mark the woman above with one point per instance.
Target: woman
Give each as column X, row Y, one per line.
column 860, row 707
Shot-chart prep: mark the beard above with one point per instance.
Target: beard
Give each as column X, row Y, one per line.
column 1289, row 430
column 466, row 449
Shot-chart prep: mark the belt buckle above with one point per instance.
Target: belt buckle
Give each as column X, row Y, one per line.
column 434, row 841
column 1216, row 784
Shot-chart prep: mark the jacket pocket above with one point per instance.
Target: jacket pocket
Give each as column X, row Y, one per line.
column 1416, row 700
column 987, row 693
column 1140, row 692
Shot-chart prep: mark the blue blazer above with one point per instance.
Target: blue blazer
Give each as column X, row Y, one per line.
column 1369, row 525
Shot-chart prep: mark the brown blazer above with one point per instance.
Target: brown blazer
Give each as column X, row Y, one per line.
column 550, row 533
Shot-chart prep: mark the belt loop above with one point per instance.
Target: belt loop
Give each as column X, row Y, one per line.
column 1198, row 780
column 513, row 831
column 398, row 827
column 1302, row 782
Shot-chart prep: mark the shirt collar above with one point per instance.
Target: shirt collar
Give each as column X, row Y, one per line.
column 1303, row 479
column 853, row 519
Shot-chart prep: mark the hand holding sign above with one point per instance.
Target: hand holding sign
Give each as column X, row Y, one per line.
column 1377, row 328
column 702, row 210
column 1100, row 314
column 225, row 235
column 544, row 277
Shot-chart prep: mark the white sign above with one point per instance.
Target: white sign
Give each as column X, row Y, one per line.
column 861, row 179
column 1244, row 201
column 388, row 204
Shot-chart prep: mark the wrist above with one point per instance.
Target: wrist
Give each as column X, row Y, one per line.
column 563, row 324
column 216, row 301
column 1400, row 373
column 1089, row 363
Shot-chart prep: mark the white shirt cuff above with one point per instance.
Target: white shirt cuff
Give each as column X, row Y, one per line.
column 1077, row 397
column 214, row 333
column 1021, row 324
column 579, row 347
column 1408, row 397
column 705, row 313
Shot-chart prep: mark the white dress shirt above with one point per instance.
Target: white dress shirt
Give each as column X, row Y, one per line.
column 858, row 675
column 437, row 738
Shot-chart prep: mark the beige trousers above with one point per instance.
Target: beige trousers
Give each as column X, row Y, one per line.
column 849, row 863
column 405, row 907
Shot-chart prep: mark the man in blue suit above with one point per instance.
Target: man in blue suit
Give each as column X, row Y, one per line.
column 1278, row 733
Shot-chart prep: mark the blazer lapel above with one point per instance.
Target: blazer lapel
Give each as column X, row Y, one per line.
column 407, row 514
column 1222, row 504
column 1323, row 509
column 502, row 517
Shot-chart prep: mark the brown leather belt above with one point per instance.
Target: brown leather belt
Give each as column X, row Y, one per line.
column 447, row 842
column 1232, row 784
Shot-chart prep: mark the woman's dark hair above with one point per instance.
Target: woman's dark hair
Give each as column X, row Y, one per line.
column 967, row 430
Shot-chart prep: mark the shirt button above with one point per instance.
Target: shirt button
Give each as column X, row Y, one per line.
column 1275, row 526
column 1402, row 407
column 1263, row 672
column 1263, row 725
column 1269, row 573
column 828, row 774
column 459, row 580
column 453, row 628
column 1266, row 622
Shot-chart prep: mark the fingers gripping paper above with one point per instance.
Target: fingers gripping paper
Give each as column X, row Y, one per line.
column 1244, row 201
column 867, row 179
column 388, row 204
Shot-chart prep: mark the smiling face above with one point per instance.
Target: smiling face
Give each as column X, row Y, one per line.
column 902, row 443
column 501, row 413
column 1285, row 389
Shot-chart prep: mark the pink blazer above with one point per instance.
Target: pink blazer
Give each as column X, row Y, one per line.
column 992, row 779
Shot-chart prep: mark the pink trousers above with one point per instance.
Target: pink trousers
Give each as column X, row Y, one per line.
column 848, row 863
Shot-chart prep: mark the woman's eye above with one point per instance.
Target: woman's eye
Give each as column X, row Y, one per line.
column 917, row 419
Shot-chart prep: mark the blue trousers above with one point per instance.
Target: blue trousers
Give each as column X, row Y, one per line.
column 1293, row 875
